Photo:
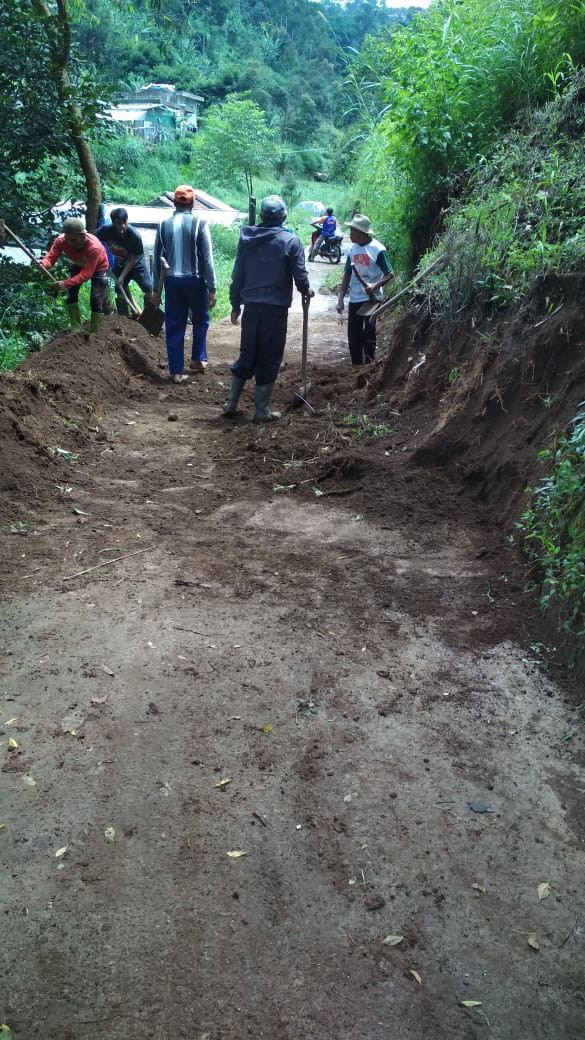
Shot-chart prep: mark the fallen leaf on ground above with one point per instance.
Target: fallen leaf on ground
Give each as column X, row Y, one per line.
column 99, row 700
column 393, row 940
column 543, row 891
column 12, row 743
column 61, row 852
column 10, row 722
column 109, row 833
column 416, row 975
column 266, row 729
column 478, row 888
column 471, row 1003
column 236, row 854
column 29, row 780
column 533, row 941
column 108, row 671
column 222, row 783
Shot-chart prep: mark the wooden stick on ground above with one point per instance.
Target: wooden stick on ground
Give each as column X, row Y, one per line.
column 108, row 563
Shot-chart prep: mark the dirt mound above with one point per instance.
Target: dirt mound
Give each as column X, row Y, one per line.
column 491, row 399
column 51, row 404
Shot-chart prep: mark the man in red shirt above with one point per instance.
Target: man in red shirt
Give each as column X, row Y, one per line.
column 88, row 261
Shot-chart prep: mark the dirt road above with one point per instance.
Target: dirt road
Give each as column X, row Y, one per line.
column 308, row 716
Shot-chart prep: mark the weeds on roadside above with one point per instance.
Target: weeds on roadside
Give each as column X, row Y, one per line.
column 20, row 527
column 364, row 427
column 553, row 528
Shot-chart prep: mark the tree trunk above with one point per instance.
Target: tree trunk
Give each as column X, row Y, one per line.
column 58, row 28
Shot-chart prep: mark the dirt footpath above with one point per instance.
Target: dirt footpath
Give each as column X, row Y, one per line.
column 307, row 713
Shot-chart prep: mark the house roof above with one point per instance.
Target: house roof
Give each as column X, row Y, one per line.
column 124, row 113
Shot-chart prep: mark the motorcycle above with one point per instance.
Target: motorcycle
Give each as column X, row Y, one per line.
column 329, row 248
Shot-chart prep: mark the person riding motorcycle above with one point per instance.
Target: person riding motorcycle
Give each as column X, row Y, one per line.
column 328, row 228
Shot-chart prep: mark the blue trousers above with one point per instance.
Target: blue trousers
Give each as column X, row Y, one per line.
column 181, row 296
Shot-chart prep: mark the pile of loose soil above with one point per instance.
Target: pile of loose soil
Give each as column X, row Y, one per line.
column 52, row 402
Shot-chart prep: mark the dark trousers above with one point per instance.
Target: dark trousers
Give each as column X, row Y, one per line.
column 262, row 343
column 181, row 296
column 138, row 274
column 97, row 293
column 361, row 336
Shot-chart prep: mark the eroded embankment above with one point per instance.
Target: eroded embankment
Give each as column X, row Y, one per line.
column 491, row 397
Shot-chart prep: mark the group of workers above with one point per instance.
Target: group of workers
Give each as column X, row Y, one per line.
column 269, row 259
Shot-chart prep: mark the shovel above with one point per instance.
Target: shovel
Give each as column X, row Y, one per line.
column 299, row 397
column 152, row 318
column 366, row 309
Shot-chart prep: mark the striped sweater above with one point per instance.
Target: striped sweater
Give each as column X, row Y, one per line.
column 185, row 243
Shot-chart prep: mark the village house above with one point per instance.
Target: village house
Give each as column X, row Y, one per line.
column 156, row 112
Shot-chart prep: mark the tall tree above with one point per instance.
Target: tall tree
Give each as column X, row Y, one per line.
column 58, row 29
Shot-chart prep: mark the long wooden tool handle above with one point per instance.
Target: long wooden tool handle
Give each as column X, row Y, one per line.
column 364, row 283
column 393, row 299
column 136, row 310
column 28, row 252
column 161, row 280
column 305, row 301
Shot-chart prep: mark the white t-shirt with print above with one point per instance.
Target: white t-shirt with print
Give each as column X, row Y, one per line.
column 364, row 260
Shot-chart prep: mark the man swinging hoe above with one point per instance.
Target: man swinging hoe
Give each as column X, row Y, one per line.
column 88, row 262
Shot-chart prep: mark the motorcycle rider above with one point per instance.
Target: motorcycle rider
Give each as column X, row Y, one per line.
column 328, row 228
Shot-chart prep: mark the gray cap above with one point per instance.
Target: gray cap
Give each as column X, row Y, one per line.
column 74, row 226
column 272, row 210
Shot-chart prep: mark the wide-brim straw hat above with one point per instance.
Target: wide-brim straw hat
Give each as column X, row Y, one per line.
column 361, row 223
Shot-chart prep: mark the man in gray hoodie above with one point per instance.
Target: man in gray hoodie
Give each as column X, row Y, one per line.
column 268, row 260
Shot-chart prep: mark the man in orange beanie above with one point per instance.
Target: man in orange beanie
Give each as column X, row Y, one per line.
column 183, row 240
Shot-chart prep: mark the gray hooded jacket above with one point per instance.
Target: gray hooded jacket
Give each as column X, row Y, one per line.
column 268, row 259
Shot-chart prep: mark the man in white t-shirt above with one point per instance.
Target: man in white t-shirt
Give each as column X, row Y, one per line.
column 368, row 259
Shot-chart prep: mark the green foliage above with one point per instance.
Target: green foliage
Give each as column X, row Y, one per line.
column 285, row 55
column 447, row 86
column 33, row 131
column 364, row 427
column 521, row 217
column 30, row 314
column 236, row 142
column 553, row 527
column 135, row 171
column 225, row 242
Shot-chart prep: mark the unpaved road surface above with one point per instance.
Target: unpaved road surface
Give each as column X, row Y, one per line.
column 355, row 664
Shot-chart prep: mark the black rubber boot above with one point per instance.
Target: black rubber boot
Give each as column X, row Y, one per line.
column 231, row 405
column 262, row 413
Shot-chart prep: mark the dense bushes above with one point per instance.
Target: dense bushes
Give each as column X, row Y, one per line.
column 553, row 528
column 446, row 87
column 521, row 215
